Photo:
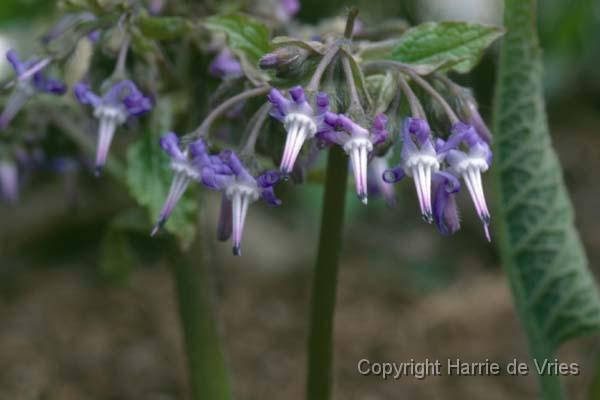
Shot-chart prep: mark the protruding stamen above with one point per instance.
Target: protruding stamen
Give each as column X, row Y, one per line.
column 106, row 133
column 240, row 202
column 472, row 178
column 422, row 176
column 299, row 128
column 358, row 150
column 178, row 187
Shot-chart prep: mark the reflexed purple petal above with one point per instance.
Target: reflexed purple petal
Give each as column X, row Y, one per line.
column 350, row 126
column 85, row 96
column 419, row 128
column 52, row 86
column 297, row 94
column 380, row 134
column 13, row 58
column 393, row 175
column 461, row 132
column 268, row 195
column 213, row 180
column 268, row 179
column 170, row 144
column 331, row 137
column 224, row 226
column 445, row 211
column 281, row 105
column 137, row 104
column 322, row 101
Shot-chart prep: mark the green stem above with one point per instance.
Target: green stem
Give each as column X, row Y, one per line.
column 208, row 377
column 320, row 338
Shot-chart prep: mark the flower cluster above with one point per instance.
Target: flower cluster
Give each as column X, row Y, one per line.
column 223, row 172
column 438, row 165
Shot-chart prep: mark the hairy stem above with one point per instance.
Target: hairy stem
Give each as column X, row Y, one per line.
column 119, row 72
column 416, row 109
column 315, row 81
column 208, row 377
column 203, row 129
column 419, row 81
column 320, row 339
column 355, row 104
column 256, row 123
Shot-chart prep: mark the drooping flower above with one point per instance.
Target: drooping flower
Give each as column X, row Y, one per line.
column 121, row 101
column 29, row 81
column 419, row 161
column 187, row 165
column 377, row 167
column 225, row 65
column 239, row 188
column 301, row 120
column 468, row 156
column 358, row 143
column 445, row 211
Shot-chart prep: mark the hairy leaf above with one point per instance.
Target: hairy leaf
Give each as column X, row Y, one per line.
column 445, row 45
column 149, row 177
column 383, row 88
column 554, row 291
column 246, row 37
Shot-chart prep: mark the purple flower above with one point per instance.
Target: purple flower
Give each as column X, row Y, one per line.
column 187, row 165
column 419, row 161
column 469, row 163
column 377, row 167
column 240, row 188
column 445, row 211
column 121, row 101
column 358, row 143
column 9, row 180
column 30, row 81
column 225, row 66
column 300, row 119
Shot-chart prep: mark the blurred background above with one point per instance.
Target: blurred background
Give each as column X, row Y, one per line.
column 81, row 318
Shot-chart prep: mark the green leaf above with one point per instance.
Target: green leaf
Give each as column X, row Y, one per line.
column 149, row 177
column 554, row 291
column 163, row 28
column 246, row 37
column 445, row 45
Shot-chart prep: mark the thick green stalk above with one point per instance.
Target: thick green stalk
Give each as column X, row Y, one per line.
column 320, row 338
column 208, row 375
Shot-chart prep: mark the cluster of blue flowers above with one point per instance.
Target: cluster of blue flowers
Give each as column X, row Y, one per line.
column 436, row 165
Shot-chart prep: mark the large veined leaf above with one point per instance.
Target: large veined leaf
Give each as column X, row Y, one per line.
column 149, row 177
column 445, row 45
column 246, row 37
column 554, row 291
